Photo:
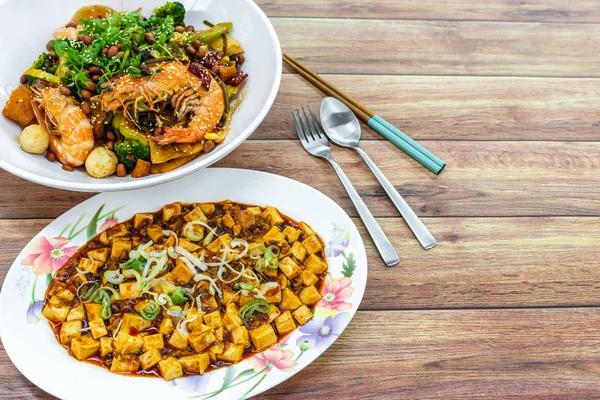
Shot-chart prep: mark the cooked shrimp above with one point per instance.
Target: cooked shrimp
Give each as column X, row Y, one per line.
column 66, row 33
column 72, row 138
column 171, row 82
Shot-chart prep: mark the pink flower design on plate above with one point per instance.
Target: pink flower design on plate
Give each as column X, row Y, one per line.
column 273, row 357
column 335, row 294
column 108, row 223
column 46, row 255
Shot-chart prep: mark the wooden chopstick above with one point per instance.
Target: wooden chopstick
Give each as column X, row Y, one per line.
column 338, row 93
column 325, row 87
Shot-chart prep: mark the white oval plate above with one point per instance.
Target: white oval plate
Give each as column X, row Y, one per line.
column 32, row 347
column 250, row 26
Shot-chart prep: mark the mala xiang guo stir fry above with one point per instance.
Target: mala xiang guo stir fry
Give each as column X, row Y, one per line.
column 187, row 289
column 124, row 94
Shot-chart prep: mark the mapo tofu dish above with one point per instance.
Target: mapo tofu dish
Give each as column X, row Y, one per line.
column 187, row 289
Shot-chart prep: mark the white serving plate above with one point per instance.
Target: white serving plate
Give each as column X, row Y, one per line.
column 33, row 349
column 250, row 26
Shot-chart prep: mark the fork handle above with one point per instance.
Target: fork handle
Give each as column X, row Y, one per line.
column 414, row 223
column 385, row 248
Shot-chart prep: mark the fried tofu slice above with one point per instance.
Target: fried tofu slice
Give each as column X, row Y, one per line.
column 18, row 107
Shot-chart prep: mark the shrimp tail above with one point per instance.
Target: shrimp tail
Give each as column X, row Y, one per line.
column 177, row 135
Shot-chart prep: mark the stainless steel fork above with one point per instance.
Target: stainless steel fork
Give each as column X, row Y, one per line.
column 315, row 142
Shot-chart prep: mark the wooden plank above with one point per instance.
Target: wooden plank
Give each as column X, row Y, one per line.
column 550, row 353
column 481, row 179
column 455, row 108
column 528, row 10
column 442, row 48
column 457, row 355
column 479, row 262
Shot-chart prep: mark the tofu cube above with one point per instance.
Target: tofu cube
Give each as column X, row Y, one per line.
column 309, row 295
column 153, row 342
column 117, row 231
column 93, row 311
column 228, row 221
column 263, row 337
column 188, row 245
column 149, row 358
column 200, row 339
column 215, row 350
column 315, row 265
column 100, row 254
column 140, row 220
column 292, row 234
column 194, row 318
column 131, row 320
column 214, row 319
column 120, row 248
column 84, row 347
column 55, row 310
column 302, row 315
column 312, row 244
column 196, row 215
column 273, row 313
column 289, row 267
column 76, row 312
column 285, row 323
column 272, row 215
column 106, row 346
column 220, row 333
column 220, row 243
column 166, row 326
column 178, row 340
column 240, row 336
column 97, row 328
column 273, row 236
column 124, row 363
column 307, row 278
column 289, row 300
column 155, row 232
column 130, row 290
column 70, row 330
column 232, row 353
column 244, row 218
column 306, row 229
column 209, row 303
column 170, row 211
column 170, row 369
column 181, row 274
column 125, row 343
column 207, row 208
column 231, row 319
column 87, row 264
column 299, row 251
column 245, row 300
column 272, row 294
column 195, row 364
column 229, row 296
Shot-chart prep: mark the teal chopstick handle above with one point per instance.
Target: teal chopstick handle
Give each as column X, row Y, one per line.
column 409, row 141
column 404, row 146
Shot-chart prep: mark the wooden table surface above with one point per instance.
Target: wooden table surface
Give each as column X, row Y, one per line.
column 508, row 93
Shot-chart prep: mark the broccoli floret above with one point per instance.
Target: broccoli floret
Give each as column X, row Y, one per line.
column 173, row 9
column 130, row 151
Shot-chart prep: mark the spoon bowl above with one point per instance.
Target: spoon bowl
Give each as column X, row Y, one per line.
column 340, row 123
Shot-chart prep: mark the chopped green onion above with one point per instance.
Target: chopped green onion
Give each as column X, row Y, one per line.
column 150, row 312
column 88, row 292
column 244, row 286
column 137, row 264
column 257, row 251
column 247, row 311
column 38, row 73
column 189, row 233
column 179, row 296
column 113, row 276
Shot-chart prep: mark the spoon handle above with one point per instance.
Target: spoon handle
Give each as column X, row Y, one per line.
column 414, row 223
column 385, row 248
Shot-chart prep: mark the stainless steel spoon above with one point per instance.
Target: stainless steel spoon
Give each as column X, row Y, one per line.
column 342, row 128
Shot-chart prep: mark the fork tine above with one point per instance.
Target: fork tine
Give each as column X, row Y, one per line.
column 304, row 123
column 309, row 123
column 316, row 122
column 299, row 130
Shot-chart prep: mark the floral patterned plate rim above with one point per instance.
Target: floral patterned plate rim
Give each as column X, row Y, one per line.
column 32, row 348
